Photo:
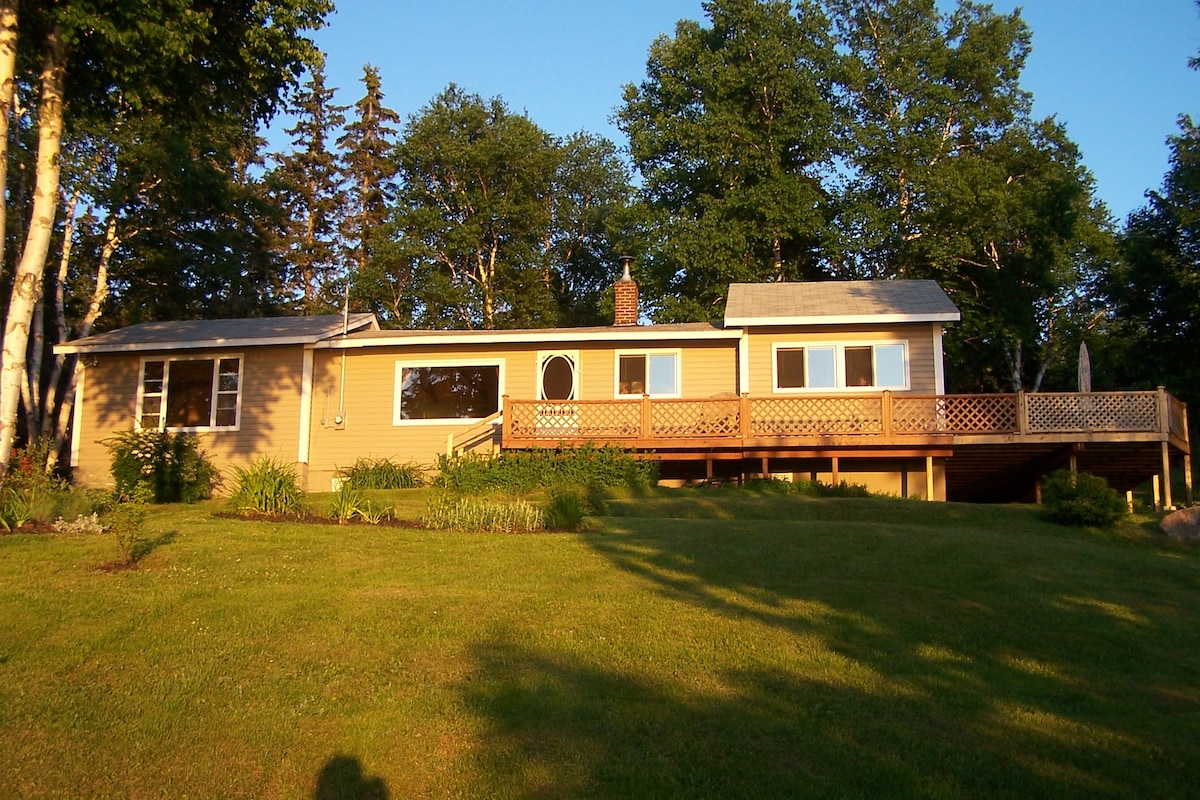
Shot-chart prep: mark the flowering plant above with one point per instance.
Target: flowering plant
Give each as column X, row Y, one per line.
column 152, row 466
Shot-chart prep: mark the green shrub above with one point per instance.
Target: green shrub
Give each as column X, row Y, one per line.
column 450, row 512
column 125, row 520
column 1078, row 498
column 381, row 473
column 522, row 471
column 151, row 466
column 267, row 487
column 567, row 508
column 807, row 488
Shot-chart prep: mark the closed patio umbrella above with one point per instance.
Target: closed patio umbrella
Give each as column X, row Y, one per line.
column 1085, row 369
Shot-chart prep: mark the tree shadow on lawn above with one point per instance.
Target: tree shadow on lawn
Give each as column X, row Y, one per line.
column 559, row 727
column 997, row 675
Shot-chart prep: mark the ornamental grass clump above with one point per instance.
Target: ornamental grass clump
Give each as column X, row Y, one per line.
column 450, row 512
column 350, row 504
column 382, row 473
column 268, row 487
column 567, row 509
column 1081, row 499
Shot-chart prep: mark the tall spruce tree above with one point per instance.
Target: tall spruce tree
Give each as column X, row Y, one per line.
column 364, row 149
column 308, row 185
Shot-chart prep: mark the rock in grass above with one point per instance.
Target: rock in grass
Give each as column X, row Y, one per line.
column 1183, row 524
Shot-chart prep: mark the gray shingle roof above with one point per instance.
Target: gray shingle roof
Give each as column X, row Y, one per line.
column 834, row 302
column 202, row 333
column 666, row 330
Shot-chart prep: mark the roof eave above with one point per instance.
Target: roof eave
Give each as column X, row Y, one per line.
column 69, row 348
column 633, row 333
column 846, row 319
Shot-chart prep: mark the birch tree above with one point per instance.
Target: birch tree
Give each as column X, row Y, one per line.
column 188, row 60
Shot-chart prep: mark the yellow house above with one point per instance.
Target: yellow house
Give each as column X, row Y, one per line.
column 837, row 381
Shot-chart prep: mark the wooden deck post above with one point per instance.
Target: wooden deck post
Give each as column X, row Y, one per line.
column 1164, row 420
column 1154, row 488
column 1166, row 468
column 449, row 445
column 1129, row 500
column 505, row 422
column 929, row 478
column 833, row 470
column 887, row 414
column 1187, row 458
column 646, row 425
column 1022, row 413
column 765, row 473
column 744, row 427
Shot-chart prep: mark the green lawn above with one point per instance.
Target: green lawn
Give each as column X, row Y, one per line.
column 692, row 644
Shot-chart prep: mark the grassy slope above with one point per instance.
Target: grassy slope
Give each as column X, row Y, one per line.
column 695, row 645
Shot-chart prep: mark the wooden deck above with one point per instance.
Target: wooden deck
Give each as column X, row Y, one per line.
column 995, row 446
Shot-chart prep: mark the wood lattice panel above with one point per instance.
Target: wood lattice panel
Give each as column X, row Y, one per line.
column 816, row 416
column 980, row 413
column 1069, row 413
column 572, row 420
column 696, row 418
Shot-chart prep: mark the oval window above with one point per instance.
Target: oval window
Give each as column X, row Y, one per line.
column 558, row 378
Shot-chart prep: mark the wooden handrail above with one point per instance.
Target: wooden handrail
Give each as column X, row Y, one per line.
column 456, row 442
column 885, row 414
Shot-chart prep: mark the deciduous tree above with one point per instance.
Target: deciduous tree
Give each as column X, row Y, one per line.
column 192, row 60
column 734, row 134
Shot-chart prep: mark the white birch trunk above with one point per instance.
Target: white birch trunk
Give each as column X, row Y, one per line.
column 27, row 282
column 99, row 294
column 8, row 85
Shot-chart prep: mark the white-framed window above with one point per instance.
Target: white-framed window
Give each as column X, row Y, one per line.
column 438, row 392
column 558, row 375
column 190, row 393
column 651, row 372
column 836, row 366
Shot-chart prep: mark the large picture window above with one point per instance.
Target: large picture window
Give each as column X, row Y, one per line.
column 834, row 367
column 654, row 373
column 190, row 393
column 445, row 392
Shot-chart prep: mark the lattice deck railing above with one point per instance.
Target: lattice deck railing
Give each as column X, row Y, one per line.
column 887, row 415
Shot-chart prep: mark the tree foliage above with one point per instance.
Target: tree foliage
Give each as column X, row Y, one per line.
column 307, row 185
column 492, row 217
column 152, row 101
column 867, row 139
column 1154, row 288
column 732, row 131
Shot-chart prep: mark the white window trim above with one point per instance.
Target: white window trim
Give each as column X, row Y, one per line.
column 441, row 362
column 216, row 358
column 543, row 356
column 839, row 366
column 677, row 352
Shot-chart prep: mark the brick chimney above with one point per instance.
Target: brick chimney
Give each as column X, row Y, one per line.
column 625, row 293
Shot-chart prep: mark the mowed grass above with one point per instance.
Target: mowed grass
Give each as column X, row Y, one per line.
column 691, row 644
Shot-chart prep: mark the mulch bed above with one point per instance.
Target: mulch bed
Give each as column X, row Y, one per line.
column 313, row 519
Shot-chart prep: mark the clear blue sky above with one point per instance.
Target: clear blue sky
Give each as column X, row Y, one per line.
column 1114, row 71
